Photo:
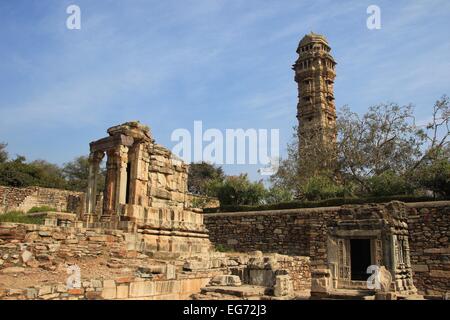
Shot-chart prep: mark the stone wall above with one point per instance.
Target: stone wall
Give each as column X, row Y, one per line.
column 23, row 199
column 429, row 225
column 112, row 264
column 49, row 246
column 115, row 264
column 282, row 231
column 124, row 288
column 303, row 232
column 299, row 269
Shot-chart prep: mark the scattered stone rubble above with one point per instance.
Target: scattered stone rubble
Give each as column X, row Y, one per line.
column 33, row 255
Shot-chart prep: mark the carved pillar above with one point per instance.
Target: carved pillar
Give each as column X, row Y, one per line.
column 110, row 185
column 94, row 163
column 121, row 177
column 116, row 182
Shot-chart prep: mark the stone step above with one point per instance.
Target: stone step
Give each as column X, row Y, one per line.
column 351, row 294
column 245, row 291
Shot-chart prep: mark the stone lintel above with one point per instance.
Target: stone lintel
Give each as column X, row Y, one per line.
column 358, row 233
column 111, row 142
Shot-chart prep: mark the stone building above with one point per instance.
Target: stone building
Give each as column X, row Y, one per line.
column 145, row 191
column 342, row 242
column 316, row 112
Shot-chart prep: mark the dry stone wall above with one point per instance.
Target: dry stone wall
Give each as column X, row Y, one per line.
column 113, row 264
column 429, row 226
column 283, row 231
column 23, row 199
column 303, row 232
column 38, row 246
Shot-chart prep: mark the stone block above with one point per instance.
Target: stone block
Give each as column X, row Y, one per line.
column 45, row 290
column 420, row 268
column 139, row 289
column 109, row 293
column 31, row 293
column 11, row 270
column 50, row 296
column 226, row 280
column 385, row 296
column 440, row 274
column 26, row 256
column 122, row 291
column 283, row 286
column 109, row 289
column 170, row 272
column 75, row 291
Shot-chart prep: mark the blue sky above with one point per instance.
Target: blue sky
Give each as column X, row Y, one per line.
column 225, row 62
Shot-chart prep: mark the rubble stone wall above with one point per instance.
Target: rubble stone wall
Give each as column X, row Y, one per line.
column 23, row 199
column 27, row 248
column 299, row 269
column 429, row 232
column 283, row 231
column 50, row 245
column 303, row 232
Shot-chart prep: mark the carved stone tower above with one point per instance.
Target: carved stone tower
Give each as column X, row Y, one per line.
column 316, row 112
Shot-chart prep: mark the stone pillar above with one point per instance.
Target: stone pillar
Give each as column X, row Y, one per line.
column 110, row 186
column 94, row 163
column 116, row 182
column 121, row 177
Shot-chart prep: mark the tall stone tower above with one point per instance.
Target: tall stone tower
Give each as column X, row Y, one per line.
column 316, row 112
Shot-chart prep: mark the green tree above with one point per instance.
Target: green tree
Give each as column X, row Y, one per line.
column 287, row 176
column 435, row 176
column 48, row 174
column 76, row 173
column 382, row 148
column 322, row 187
column 383, row 139
column 389, row 183
column 201, row 175
column 3, row 152
column 17, row 173
column 277, row 194
column 237, row 190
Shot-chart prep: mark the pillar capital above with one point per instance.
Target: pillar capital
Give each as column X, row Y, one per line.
column 96, row 156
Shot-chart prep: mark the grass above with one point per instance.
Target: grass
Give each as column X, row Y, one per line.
column 20, row 217
column 222, row 248
column 41, row 209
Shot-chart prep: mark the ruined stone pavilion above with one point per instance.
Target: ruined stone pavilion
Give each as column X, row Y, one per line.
column 145, row 191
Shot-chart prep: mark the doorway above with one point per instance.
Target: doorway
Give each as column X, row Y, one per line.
column 128, row 184
column 360, row 258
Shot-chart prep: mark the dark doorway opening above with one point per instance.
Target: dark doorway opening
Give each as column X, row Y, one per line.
column 360, row 258
column 128, row 191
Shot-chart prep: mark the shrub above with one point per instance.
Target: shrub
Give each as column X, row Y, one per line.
column 323, row 203
column 277, row 194
column 320, row 188
column 435, row 177
column 237, row 190
column 222, row 248
column 20, row 217
column 41, row 209
column 388, row 183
